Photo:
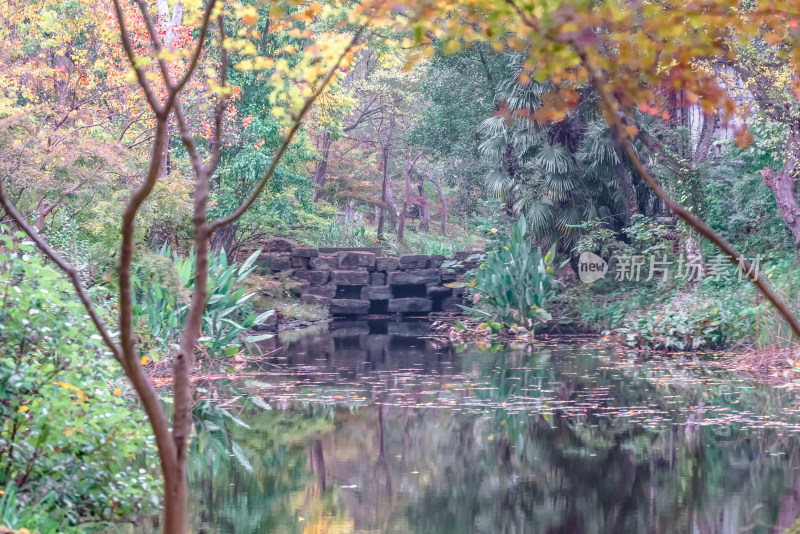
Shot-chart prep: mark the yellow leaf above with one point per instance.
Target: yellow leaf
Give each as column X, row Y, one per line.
column 244, row 65
column 452, row 47
column 68, row 432
column 145, row 360
column 249, row 16
column 117, row 391
column 491, row 437
column 23, row 409
column 65, row 385
column 82, row 396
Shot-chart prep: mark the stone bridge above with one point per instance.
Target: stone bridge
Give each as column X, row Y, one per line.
column 360, row 282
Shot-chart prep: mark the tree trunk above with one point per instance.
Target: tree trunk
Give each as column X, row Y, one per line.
column 425, row 208
column 166, row 166
column 406, row 200
column 783, row 187
column 321, row 167
column 44, row 211
column 223, row 238
column 693, row 255
column 392, row 206
column 401, row 224
column 382, row 217
column 508, row 162
column 169, row 21
column 443, row 199
column 349, row 211
column 625, row 185
column 387, row 197
column 176, row 497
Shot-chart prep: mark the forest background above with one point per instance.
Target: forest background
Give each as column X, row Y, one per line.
column 421, row 140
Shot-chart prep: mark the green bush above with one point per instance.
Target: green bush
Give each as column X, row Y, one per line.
column 74, row 445
column 344, row 234
column 707, row 318
column 516, row 284
column 161, row 310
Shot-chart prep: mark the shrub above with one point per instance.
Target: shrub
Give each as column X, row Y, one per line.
column 706, row 319
column 228, row 314
column 72, row 437
column 343, row 234
column 516, row 284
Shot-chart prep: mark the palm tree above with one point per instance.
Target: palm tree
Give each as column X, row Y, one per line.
column 560, row 174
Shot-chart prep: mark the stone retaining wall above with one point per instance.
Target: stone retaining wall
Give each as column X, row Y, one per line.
column 357, row 282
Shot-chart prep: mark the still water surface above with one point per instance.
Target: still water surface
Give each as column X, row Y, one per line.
column 378, row 428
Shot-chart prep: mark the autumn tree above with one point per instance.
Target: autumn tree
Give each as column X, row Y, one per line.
column 627, row 54
column 164, row 75
column 630, row 54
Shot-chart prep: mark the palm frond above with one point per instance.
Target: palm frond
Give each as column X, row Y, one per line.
column 491, row 150
column 497, row 183
column 559, row 186
column 597, row 147
column 554, row 159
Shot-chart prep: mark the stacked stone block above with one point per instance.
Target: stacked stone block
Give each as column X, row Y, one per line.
column 358, row 282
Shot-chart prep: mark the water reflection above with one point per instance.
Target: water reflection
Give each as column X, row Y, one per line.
column 380, row 428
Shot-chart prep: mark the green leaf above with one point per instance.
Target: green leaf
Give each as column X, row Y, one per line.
column 241, row 457
column 262, row 337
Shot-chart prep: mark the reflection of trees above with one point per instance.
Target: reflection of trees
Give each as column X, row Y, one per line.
column 515, row 455
column 279, row 487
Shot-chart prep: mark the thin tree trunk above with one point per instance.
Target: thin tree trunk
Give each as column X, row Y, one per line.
column 387, row 197
column 349, row 210
column 392, row 207
column 425, row 207
column 508, row 162
column 436, row 182
column 382, row 217
column 625, row 184
column 401, row 224
column 44, row 211
column 691, row 181
column 321, row 167
column 407, row 198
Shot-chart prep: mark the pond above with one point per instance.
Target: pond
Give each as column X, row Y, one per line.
column 380, row 428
